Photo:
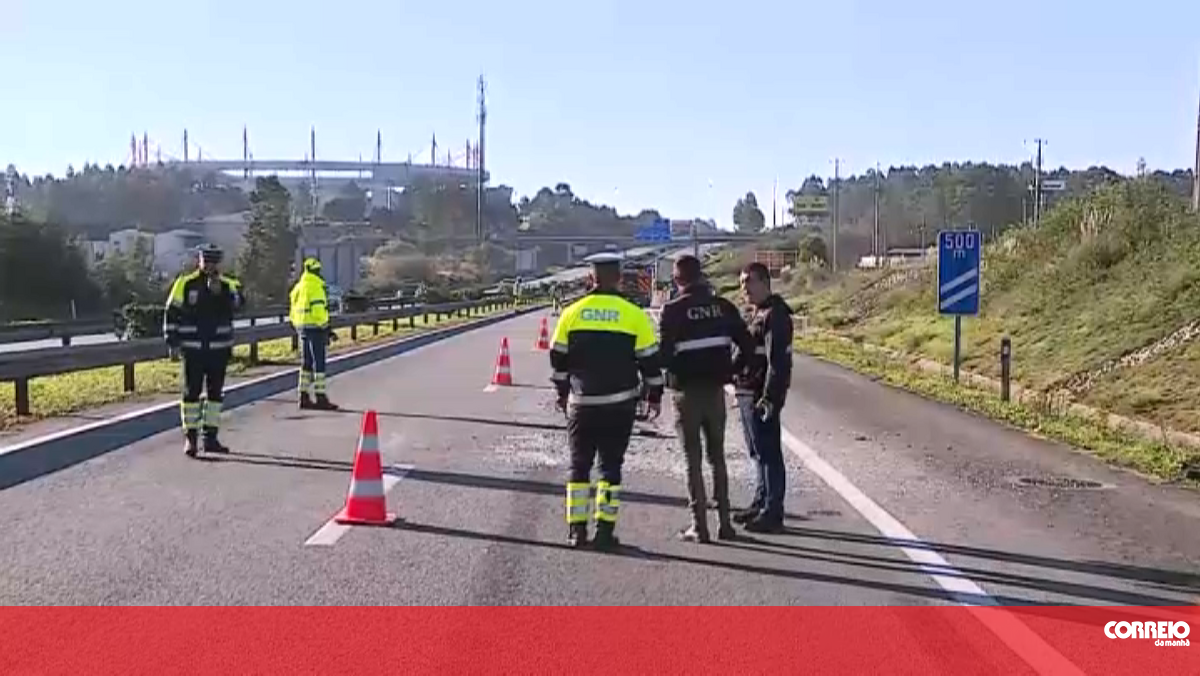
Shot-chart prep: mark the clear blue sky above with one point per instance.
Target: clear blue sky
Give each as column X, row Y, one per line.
column 634, row 103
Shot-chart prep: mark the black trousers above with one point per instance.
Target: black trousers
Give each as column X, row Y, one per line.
column 204, row 371
column 600, row 431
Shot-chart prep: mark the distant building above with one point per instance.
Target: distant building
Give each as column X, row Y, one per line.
column 341, row 250
column 169, row 252
column 227, row 231
column 175, row 250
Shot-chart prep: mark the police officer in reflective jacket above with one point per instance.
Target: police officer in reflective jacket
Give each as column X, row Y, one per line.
column 605, row 360
column 698, row 330
column 198, row 323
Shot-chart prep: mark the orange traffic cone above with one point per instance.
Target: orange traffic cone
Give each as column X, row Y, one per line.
column 503, row 374
column 543, row 341
column 366, row 504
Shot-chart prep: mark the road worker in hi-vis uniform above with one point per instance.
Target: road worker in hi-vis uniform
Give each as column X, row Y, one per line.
column 198, row 324
column 310, row 317
column 605, row 360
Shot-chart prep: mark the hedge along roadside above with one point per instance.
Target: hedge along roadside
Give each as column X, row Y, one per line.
column 1116, row 440
column 78, row 377
column 25, row 460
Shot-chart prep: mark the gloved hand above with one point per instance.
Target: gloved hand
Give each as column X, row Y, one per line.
column 765, row 410
column 332, row 336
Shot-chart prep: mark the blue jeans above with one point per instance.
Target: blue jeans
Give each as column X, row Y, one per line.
column 763, row 439
column 313, row 346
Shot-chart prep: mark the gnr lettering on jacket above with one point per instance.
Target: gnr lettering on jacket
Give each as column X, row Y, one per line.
column 698, row 312
column 588, row 314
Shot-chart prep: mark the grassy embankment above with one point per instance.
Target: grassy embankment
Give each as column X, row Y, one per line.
column 72, row 392
column 1102, row 304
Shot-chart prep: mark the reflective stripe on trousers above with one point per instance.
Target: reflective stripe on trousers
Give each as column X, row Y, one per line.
column 312, row 383
column 608, row 501
column 190, row 414
column 212, row 414
column 577, row 502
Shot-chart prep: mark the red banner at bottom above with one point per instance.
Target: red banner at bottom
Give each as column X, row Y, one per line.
column 892, row 640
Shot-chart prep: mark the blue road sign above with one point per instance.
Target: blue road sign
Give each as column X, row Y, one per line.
column 960, row 253
column 659, row 231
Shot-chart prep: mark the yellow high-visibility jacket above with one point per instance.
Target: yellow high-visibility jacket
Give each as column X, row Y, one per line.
column 308, row 307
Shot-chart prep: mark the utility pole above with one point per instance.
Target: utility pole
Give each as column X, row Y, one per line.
column 479, row 182
column 875, row 232
column 312, row 142
column 921, row 228
column 185, row 146
column 1196, row 167
column 774, row 203
column 1037, row 185
column 837, row 195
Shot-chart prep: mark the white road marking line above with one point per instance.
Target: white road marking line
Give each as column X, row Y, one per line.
column 491, row 388
column 889, row 526
column 1022, row 640
column 328, row 534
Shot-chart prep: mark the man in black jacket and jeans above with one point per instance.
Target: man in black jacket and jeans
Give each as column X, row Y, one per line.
column 697, row 331
column 762, row 391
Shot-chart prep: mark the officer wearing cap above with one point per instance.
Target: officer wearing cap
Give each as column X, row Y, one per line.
column 198, row 325
column 605, row 360
column 310, row 316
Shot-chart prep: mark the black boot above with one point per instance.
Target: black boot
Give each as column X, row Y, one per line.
column 747, row 515
column 578, row 536
column 605, row 540
column 323, row 404
column 764, row 524
column 211, row 444
column 189, row 445
column 306, row 401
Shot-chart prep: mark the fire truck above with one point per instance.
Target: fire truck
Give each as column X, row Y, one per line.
column 637, row 284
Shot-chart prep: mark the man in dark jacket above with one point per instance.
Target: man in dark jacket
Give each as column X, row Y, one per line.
column 697, row 331
column 761, row 393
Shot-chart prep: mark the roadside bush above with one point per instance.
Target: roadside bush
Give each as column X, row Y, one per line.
column 138, row 321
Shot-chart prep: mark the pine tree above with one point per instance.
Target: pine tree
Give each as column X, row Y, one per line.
column 266, row 263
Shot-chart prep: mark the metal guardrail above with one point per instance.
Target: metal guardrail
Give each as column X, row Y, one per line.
column 20, row 367
column 66, row 330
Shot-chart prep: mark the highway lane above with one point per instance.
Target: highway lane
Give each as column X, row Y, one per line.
column 482, row 510
column 481, row 503
column 954, row 479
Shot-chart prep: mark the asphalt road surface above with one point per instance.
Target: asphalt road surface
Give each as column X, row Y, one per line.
column 893, row 500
